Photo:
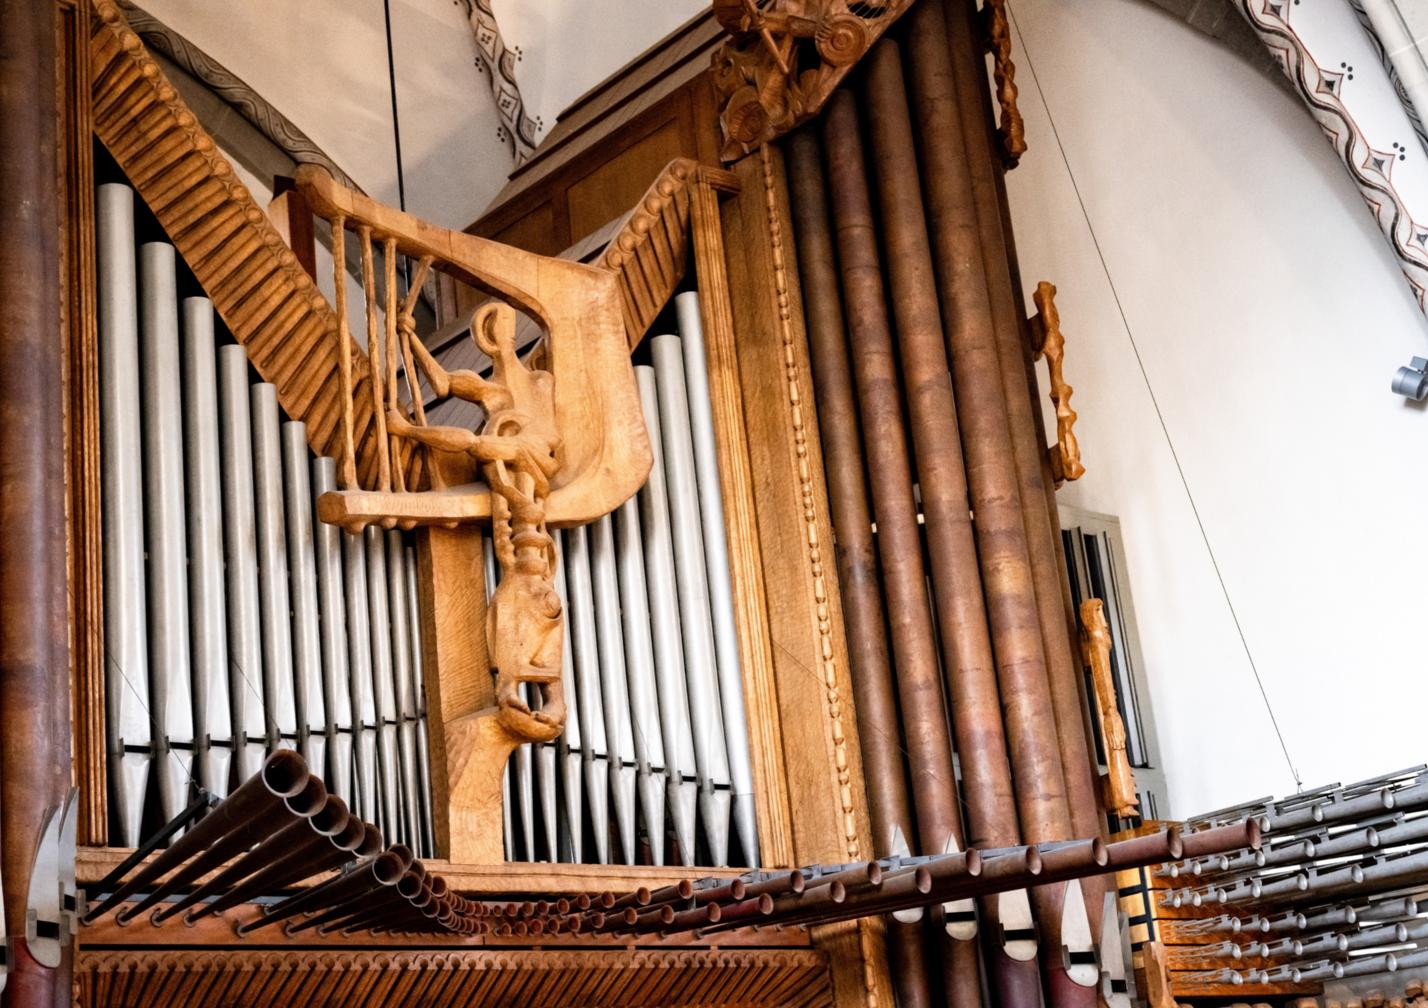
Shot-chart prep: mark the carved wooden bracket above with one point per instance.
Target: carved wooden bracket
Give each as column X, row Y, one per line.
column 785, row 58
column 1011, row 129
column 1046, row 331
column 1096, row 648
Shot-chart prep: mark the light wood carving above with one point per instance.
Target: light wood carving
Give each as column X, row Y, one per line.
column 785, row 58
column 1096, row 649
column 1046, row 329
column 564, row 420
column 1011, row 129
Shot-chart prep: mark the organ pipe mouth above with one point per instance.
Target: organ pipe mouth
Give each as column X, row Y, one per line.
column 765, row 903
column 923, row 878
column 666, row 914
column 796, row 882
column 685, row 888
column 737, row 889
column 1034, row 863
column 875, row 873
column 1175, row 845
column 439, row 886
column 1253, row 834
column 974, row 862
column 1100, row 855
column 714, row 913
column 309, row 799
column 285, row 773
column 837, row 892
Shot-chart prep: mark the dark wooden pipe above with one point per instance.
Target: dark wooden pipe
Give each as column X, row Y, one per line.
column 873, row 687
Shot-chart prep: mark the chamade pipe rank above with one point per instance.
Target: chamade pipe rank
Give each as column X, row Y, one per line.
column 855, row 552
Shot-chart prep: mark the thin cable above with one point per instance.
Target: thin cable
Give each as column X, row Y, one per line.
column 1160, row 416
column 396, row 119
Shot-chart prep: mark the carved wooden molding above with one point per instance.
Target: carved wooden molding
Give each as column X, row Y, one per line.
column 1011, row 129
column 785, row 58
column 617, row 978
column 265, row 298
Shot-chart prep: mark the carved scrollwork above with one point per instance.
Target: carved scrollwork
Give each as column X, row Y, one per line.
column 784, row 59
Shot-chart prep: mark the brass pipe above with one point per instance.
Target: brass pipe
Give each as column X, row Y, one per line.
column 389, row 864
column 387, row 871
column 1212, row 841
column 283, row 775
column 856, row 555
column 320, row 816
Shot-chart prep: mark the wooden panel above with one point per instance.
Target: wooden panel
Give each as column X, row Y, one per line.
column 534, row 231
column 77, row 277
column 617, row 184
column 820, row 749
column 474, row 979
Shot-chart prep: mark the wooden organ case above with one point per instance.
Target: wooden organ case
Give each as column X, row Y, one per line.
column 723, row 185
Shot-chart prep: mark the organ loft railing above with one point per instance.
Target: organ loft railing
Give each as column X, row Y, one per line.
column 562, row 441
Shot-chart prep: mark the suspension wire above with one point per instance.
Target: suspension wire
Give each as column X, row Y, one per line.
column 396, row 118
column 1159, row 413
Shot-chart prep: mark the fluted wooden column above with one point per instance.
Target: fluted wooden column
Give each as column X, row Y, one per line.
column 34, row 648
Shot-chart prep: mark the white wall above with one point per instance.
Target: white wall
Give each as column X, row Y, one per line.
column 1269, row 316
column 569, row 46
column 323, row 64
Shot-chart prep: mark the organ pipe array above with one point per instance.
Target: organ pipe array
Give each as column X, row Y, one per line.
column 1335, row 892
column 942, row 494
column 656, row 737
column 235, row 622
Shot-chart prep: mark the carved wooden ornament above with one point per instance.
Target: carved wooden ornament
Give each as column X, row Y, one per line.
column 562, row 439
column 785, row 58
column 1096, row 648
column 1046, row 330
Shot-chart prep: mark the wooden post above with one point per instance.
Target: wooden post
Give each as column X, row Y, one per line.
column 34, row 636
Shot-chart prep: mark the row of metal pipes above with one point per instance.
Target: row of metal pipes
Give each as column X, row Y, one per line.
column 235, row 622
column 657, row 740
column 943, row 503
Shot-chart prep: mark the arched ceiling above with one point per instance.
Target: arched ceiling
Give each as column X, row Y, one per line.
column 1222, row 22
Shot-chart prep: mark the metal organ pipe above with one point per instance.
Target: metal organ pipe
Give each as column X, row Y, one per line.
column 262, row 629
column 170, row 697
column 306, row 628
column 208, row 631
column 581, row 615
column 716, row 554
column 614, row 688
column 640, row 670
column 336, row 696
column 383, row 694
column 125, row 640
column 692, row 589
column 569, row 747
column 687, row 796
column 245, row 654
column 275, row 603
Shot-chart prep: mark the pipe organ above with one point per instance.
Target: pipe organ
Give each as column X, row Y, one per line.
column 236, row 623
column 691, row 508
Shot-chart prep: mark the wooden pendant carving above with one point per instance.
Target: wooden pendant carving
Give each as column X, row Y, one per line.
column 785, row 58
column 1046, row 332
column 1096, row 649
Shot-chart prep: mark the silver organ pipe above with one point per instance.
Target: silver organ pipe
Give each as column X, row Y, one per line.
column 570, row 753
column 208, row 628
column 306, row 628
column 716, row 553
column 125, row 643
column 685, row 780
column 691, row 582
column 596, row 753
column 640, row 670
column 274, row 601
column 614, row 689
column 235, row 621
column 336, row 696
column 170, row 694
column 240, row 564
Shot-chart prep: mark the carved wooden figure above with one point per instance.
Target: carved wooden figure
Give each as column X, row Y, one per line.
column 1096, row 647
column 561, row 439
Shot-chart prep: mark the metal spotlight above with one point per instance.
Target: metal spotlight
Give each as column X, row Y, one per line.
column 1412, row 381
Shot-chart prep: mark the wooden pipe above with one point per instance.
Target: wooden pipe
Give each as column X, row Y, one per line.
column 856, row 555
